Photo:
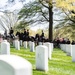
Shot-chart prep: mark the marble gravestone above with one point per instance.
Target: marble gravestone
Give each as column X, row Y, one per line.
column 5, row 47
column 14, row 65
column 73, row 53
column 69, row 49
column 49, row 50
column 32, row 47
column 25, row 44
column 42, row 58
column 21, row 42
column 17, row 45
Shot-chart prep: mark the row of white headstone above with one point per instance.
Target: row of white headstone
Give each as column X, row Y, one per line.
column 9, row 64
column 26, row 44
column 43, row 52
column 32, row 46
column 69, row 49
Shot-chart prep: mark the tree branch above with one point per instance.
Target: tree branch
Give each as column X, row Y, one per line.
column 69, row 17
column 44, row 15
column 43, row 4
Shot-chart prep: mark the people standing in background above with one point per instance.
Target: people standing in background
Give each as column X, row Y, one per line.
column 25, row 32
column 42, row 36
column 24, row 35
column 36, row 39
column 5, row 34
column 27, row 35
column 73, row 42
column 11, row 33
column 68, row 41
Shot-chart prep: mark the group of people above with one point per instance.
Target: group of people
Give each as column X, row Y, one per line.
column 59, row 41
column 25, row 36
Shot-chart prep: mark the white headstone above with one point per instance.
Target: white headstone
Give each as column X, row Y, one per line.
column 63, row 47
column 40, row 43
column 25, row 44
column 32, row 47
column 29, row 44
column 14, row 65
column 73, row 53
column 69, row 49
column 20, row 42
column 42, row 58
column 14, row 43
column 0, row 47
column 5, row 47
column 49, row 49
column 17, row 45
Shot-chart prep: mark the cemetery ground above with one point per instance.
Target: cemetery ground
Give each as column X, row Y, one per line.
column 60, row 64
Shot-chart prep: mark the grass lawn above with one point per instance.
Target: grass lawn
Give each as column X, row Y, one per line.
column 60, row 64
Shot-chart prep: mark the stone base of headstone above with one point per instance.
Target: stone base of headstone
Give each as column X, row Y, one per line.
column 14, row 65
column 42, row 58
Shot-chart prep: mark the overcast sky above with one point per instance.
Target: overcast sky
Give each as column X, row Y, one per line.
column 15, row 6
column 10, row 7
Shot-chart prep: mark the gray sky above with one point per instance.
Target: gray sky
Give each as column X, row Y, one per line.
column 15, row 6
column 10, row 7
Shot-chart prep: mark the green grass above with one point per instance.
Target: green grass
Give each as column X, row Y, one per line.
column 60, row 64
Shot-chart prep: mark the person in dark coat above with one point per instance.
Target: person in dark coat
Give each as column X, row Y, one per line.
column 73, row 42
column 21, row 36
column 42, row 36
column 68, row 41
column 18, row 34
column 24, row 35
column 27, row 35
column 11, row 33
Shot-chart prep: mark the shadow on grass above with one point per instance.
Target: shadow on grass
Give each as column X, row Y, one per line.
column 39, row 72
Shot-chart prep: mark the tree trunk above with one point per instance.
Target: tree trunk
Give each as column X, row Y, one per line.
column 50, row 23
